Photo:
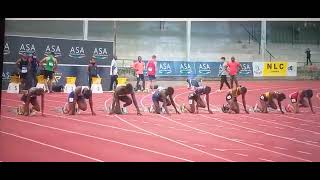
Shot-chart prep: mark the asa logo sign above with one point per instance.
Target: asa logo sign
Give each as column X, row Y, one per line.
column 27, row 49
column 185, row 68
column 53, row 48
column 77, row 52
column 100, row 53
column 165, row 68
column 246, row 69
column 204, row 68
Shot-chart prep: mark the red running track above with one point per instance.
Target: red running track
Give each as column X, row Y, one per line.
column 217, row 137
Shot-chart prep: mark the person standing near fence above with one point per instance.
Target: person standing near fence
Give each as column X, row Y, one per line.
column 34, row 68
column 50, row 64
column 139, row 68
column 92, row 70
column 224, row 74
column 151, row 71
column 308, row 52
column 113, row 72
column 23, row 67
column 233, row 68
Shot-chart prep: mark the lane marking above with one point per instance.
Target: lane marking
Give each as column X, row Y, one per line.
column 51, row 146
column 95, row 137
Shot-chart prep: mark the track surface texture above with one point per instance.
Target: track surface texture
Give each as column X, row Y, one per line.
column 202, row 137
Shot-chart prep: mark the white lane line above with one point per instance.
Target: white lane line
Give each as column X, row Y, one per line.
column 171, row 127
column 259, row 144
column 185, row 145
column 157, row 124
column 95, row 137
column 189, row 121
column 88, row 122
column 233, row 128
column 241, row 154
column 199, row 145
column 181, row 141
column 262, row 159
column 230, row 149
column 312, row 142
column 280, row 148
column 262, row 125
column 203, row 123
column 252, row 132
column 268, row 134
column 304, row 152
column 226, row 138
column 259, row 119
column 51, row 146
column 201, row 132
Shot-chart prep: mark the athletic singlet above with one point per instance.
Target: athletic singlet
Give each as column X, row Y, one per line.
column 233, row 94
column 200, row 90
column 50, row 63
column 151, row 68
column 24, row 66
column 93, row 70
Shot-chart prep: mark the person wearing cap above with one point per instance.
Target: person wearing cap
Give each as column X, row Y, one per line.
column 50, row 64
column 23, row 67
column 92, row 69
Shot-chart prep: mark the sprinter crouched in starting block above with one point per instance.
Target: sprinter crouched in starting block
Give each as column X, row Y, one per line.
column 77, row 97
column 30, row 96
column 121, row 94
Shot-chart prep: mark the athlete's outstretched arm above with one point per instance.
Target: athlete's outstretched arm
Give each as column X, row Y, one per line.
column 244, row 103
column 207, row 99
column 310, row 104
column 91, row 105
column 135, row 103
column 279, row 103
column 173, row 104
column 42, row 104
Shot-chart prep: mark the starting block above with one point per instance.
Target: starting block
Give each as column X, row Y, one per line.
column 96, row 86
column 14, row 85
column 70, row 85
column 41, row 82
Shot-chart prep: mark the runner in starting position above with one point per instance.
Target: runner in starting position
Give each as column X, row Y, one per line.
column 195, row 97
column 121, row 94
column 267, row 100
column 299, row 99
column 231, row 99
column 30, row 96
column 77, row 97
